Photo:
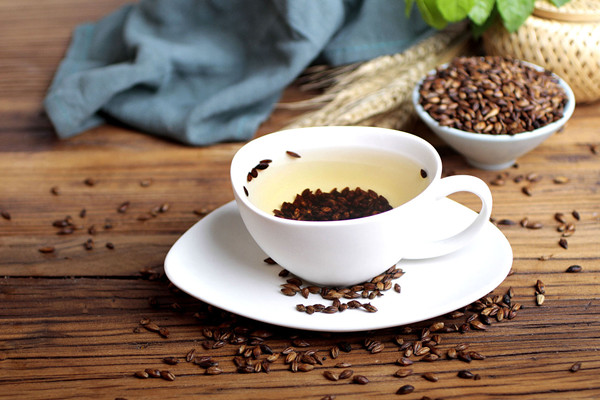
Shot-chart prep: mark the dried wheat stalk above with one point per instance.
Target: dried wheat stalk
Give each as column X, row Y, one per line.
column 378, row 92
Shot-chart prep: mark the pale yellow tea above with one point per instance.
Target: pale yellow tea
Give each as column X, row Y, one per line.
column 396, row 178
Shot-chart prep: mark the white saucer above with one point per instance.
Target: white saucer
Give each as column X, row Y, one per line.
column 219, row 263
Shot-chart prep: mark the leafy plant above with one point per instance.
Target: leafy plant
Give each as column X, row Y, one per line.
column 481, row 13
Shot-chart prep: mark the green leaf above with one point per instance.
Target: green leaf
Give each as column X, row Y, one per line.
column 478, row 30
column 454, row 10
column 559, row 3
column 408, row 7
column 431, row 14
column 481, row 11
column 514, row 12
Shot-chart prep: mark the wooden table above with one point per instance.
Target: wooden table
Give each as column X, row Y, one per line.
column 71, row 320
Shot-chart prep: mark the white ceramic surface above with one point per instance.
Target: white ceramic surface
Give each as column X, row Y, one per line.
column 217, row 261
column 351, row 251
column 494, row 152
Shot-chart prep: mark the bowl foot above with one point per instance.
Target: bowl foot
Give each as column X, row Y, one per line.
column 491, row 167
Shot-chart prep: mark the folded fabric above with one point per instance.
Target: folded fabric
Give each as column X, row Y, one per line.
column 202, row 71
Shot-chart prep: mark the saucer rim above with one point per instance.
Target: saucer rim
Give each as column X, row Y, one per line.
column 316, row 322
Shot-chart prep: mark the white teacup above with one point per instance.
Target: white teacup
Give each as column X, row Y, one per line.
column 347, row 252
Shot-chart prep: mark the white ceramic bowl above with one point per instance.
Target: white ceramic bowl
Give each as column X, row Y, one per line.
column 494, row 152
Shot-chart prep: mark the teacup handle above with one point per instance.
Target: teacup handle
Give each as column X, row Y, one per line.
column 445, row 187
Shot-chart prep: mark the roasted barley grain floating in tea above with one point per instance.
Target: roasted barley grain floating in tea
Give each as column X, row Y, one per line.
column 373, row 177
column 334, row 205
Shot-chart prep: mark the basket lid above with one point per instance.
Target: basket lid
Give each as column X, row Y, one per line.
column 573, row 11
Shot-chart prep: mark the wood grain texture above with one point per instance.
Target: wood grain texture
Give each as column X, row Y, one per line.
column 82, row 336
column 69, row 320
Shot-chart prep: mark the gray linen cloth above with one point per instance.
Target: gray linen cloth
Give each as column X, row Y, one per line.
column 202, row 71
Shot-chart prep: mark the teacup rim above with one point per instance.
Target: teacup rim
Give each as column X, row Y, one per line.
column 240, row 195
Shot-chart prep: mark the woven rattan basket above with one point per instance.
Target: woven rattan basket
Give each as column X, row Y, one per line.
column 564, row 40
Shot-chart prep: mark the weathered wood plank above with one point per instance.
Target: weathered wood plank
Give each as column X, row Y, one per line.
column 74, row 337
column 64, row 338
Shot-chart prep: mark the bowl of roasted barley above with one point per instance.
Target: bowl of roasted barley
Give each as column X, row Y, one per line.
column 493, row 110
